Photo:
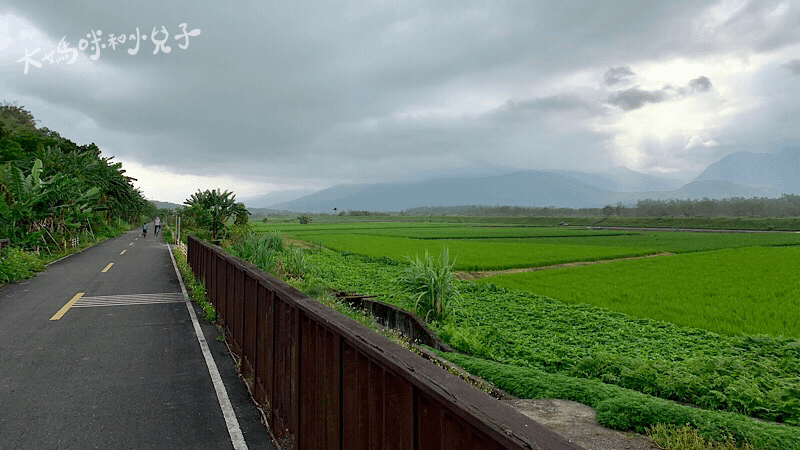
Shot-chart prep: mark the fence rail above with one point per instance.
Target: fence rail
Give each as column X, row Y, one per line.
column 326, row 381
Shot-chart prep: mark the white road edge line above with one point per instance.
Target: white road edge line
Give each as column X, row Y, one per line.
column 237, row 438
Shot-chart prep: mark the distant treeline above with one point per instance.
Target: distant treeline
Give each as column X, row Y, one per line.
column 787, row 205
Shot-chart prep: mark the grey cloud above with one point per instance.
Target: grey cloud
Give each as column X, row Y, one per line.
column 635, row 98
column 773, row 124
column 793, row 66
column 701, row 84
column 766, row 25
column 552, row 103
column 618, row 75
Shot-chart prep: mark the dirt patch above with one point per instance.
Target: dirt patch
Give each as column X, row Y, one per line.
column 301, row 244
column 576, row 422
column 488, row 273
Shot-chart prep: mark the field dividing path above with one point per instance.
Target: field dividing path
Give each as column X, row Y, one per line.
column 478, row 274
column 101, row 351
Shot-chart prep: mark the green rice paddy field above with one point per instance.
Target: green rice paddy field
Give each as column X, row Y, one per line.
column 752, row 290
column 732, row 283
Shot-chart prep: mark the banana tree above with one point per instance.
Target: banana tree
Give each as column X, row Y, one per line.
column 212, row 209
column 34, row 207
column 25, row 202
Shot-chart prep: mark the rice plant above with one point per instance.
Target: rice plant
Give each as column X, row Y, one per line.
column 431, row 283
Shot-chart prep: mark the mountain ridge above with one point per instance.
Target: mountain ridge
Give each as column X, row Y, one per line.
column 741, row 174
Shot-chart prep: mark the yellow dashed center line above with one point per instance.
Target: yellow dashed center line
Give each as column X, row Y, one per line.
column 107, row 267
column 122, row 252
column 66, row 307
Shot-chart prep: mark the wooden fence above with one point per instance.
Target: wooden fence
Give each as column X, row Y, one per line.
column 327, row 382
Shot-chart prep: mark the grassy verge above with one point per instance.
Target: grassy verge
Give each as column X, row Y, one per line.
column 195, row 287
column 16, row 265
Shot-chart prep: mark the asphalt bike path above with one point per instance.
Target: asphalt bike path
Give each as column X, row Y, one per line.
column 100, row 351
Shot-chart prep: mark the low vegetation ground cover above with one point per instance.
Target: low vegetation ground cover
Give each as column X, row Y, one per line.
column 626, row 409
column 654, row 368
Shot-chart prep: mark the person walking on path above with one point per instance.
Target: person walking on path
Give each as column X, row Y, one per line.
column 144, row 230
column 156, row 225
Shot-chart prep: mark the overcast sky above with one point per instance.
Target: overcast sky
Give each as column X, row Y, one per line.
column 268, row 96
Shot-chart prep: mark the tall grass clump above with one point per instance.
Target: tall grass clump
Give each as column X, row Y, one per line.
column 260, row 249
column 431, row 284
column 274, row 240
column 269, row 252
column 294, row 262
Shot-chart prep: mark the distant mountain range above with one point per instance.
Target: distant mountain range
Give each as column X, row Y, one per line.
column 779, row 172
column 623, row 179
column 741, row 174
column 166, row 205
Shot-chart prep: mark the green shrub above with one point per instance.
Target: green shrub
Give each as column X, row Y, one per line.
column 16, row 265
column 711, row 382
column 169, row 236
column 467, row 339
